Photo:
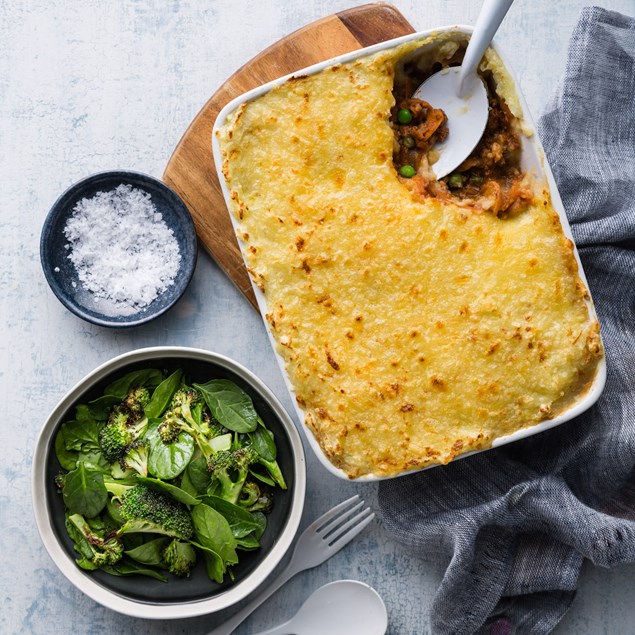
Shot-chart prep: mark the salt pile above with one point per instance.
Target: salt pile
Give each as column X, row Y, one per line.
column 121, row 248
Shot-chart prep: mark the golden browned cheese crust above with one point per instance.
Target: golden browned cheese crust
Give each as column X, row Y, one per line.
column 412, row 330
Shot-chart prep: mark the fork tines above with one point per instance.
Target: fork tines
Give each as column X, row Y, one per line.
column 344, row 521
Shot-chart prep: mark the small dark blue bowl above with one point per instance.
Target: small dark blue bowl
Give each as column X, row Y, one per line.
column 61, row 274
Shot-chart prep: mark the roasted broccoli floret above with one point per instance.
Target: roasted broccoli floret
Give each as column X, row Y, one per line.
column 147, row 511
column 60, row 479
column 169, row 430
column 229, row 470
column 126, row 424
column 118, row 487
column 116, row 438
column 183, row 402
column 214, row 427
column 136, row 400
column 179, row 557
column 136, row 457
column 94, row 546
column 179, row 418
column 255, row 498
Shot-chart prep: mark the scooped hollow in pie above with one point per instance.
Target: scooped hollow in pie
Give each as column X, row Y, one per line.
column 417, row 319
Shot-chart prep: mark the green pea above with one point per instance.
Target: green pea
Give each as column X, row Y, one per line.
column 455, row 181
column 408, row 142
column 476, row 179
column 404, row 115
column 407, row 171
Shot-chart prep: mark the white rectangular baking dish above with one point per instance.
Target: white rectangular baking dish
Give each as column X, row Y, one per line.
column 533, row 160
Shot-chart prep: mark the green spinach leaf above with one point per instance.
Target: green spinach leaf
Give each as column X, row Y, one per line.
column 261, row 519
column 83, row 413
column 252, row 541
column 213, row 563
column 229, row 404
column 259, row 472
column 240, row 520
column 274, row 472
column 175, row 492
column 167, row 460
column 84, row 491
column 66, row 458
column 186, row 485
column 113, row 509
column 150, row 552
column 99, row 409
column 248, row 543
column 162, row 395
column 262, row 440
column 80, row 435
column 198, row 474
column 148, row 377
column 213, row 531
column 197, row 412
column 94, row 460
column 81, row 545
column 125, row 568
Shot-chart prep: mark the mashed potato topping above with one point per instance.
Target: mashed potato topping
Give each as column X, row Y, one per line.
column 413, row 329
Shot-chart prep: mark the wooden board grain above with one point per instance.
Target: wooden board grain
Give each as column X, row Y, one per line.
column 190, row 171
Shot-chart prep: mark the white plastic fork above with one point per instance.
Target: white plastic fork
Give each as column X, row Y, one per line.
column 319, row 541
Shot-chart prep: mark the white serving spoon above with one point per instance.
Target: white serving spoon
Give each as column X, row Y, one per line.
column 344, row 607
column 461, row 94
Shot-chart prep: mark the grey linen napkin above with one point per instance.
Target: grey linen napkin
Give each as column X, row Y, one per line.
column 517, row 522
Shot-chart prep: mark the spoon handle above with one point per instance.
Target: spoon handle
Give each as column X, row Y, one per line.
column 489, row 19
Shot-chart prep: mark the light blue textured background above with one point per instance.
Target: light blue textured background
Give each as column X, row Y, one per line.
column 89, row 85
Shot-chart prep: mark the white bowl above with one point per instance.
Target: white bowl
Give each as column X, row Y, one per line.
column 533, row 160
column 139, row 596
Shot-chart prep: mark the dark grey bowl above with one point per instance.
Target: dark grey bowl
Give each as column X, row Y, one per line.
column 180, row 597
column 61, row 274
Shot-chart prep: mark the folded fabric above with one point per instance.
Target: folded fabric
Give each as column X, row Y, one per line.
column 517, row 522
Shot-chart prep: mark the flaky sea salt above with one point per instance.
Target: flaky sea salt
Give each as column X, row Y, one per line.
column 122, row 249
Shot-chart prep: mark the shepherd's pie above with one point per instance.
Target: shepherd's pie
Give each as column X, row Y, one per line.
column 418, row 319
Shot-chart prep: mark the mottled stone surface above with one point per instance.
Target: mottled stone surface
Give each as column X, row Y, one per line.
column 92, row 85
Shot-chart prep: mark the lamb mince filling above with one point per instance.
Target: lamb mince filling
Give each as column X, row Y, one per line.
column 490, row 179
column 417, row 320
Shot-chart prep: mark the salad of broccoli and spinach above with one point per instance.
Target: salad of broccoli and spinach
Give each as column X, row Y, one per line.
column 158, row 474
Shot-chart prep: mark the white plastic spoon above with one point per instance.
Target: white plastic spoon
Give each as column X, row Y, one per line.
column 344, row 607
column 461, row 94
